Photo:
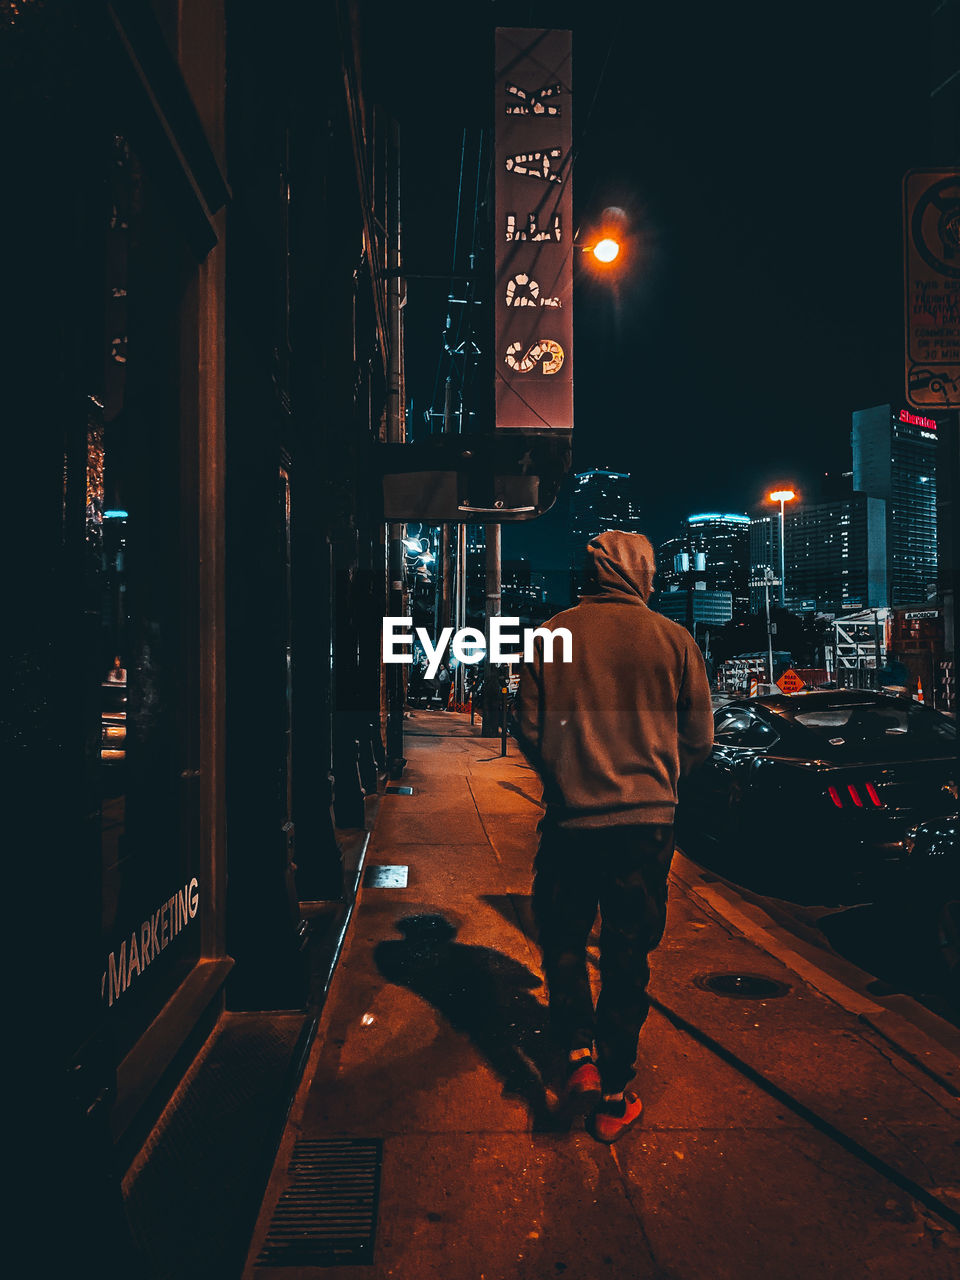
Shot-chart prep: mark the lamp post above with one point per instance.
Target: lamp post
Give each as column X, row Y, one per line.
column 782, row 496
column 767, row 580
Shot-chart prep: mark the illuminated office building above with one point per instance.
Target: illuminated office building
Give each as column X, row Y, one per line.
column 894, row 459
column 600, row 500
column 724, row 542
column 834, row 555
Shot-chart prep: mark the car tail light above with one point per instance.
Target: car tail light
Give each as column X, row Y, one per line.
column 874, row 797
column 854, row 797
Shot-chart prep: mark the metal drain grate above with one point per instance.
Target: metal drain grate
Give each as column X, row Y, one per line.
column 327, row 1216
column 399, row 791
column 385, row 877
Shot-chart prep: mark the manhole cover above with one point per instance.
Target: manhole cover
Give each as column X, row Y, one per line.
column 743, row 986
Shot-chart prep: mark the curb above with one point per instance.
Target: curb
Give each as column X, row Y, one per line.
column 929, row 1042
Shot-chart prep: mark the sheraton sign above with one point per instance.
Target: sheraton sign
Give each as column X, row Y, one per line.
column 534, row 230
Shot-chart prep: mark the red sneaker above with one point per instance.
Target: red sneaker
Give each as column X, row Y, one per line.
column 607, row 1123
column 582, row 1092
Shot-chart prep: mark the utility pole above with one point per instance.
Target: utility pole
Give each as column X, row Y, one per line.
column 491, row 686
column 767, row 580
column 877, row 645
column 447, row 575
column 395, row 435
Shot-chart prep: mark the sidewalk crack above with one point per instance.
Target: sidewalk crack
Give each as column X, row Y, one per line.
column 532, row 951
column 486, row 833
column 659, row 1270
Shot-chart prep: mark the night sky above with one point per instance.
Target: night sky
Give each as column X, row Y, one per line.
column 759, row 159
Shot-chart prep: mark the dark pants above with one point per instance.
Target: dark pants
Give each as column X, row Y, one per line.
column 623, row 870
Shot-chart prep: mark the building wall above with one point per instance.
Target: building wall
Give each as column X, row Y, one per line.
column 826, row 555
column 870, row 442
column 895, row 460
column 196, row 654
column 117, row 713
column 600, row 500
column 912, row 515
column 878, row 578
column 693, row 608
column 725, row 542
column 764, row 554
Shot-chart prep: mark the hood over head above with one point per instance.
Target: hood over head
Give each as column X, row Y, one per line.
column 623, row 564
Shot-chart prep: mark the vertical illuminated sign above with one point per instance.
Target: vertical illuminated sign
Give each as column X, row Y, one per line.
column 533, row 297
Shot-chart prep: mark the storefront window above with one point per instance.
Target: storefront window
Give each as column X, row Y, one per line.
column 140, row 551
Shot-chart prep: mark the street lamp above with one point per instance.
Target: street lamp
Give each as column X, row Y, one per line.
column 606, row 250
column 782, row 496
column 608, row 237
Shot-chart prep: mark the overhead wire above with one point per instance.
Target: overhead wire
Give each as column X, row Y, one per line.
column 453, row 267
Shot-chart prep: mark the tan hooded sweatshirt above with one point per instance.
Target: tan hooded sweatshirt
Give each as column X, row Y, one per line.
column 611, row 732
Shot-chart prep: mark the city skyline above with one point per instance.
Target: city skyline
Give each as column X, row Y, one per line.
column 865, row 499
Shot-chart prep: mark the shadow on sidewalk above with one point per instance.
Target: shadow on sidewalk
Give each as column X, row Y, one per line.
column 519, row 791
column 484, row 994
column 517, row 909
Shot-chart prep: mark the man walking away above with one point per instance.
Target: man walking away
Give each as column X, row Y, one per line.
column 610, row 733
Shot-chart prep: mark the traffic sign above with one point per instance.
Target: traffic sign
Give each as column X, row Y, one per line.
column 931, row 232
column 790, row 682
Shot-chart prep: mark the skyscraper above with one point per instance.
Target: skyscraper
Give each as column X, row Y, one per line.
column 600, row 500
column 674, row 565
column 764, row 554
column 832, row 553
column 894, row 458
column 724, row 541
column 703, row 575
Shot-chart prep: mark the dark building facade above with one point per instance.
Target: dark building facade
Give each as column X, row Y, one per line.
column 715, row 549
column 691, row 590
column 600, row 500
column 695, row 608
column 764, row 555
column 832, row 550
column 196, row 695
column 895, row 459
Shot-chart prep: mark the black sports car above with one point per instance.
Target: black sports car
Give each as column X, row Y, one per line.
column 811, row 795
column 934, row 851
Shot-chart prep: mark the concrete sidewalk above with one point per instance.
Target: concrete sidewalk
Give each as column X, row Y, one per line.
column 782, row 1138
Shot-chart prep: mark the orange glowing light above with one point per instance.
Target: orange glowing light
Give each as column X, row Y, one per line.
column 606, row 250
column 782, row 495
